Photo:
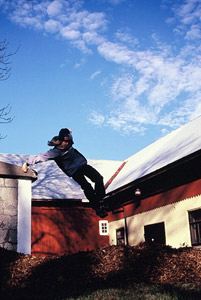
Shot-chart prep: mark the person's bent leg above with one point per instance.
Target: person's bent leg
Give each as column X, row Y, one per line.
column 97, row 178
column 86, row 187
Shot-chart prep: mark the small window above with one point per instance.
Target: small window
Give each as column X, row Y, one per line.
column 120, row 236
column 195, row 227
column 103, row 228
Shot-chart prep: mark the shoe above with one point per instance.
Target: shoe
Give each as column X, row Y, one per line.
column 104, row 205
column 100, row 211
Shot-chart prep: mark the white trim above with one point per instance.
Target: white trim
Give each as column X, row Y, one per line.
column 103, row 227
column 24, row 217
column 85, row 200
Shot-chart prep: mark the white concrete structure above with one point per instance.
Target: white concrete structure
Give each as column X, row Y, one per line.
column 24, row 217
column 15, row 208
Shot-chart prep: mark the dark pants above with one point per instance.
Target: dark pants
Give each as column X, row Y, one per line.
column 93, row 195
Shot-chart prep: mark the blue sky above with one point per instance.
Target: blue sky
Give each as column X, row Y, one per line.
column 120, row 73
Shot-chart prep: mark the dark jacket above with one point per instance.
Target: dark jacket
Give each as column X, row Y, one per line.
column 68, row 160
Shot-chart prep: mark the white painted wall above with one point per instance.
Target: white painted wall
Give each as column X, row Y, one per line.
column 24, row 217
column 175, row 217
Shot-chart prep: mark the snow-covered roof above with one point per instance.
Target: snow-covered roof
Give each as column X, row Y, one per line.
column 176, row 145
column 52, row 183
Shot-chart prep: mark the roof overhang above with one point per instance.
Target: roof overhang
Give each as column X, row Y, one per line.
column 180, row 172
column 12, row 171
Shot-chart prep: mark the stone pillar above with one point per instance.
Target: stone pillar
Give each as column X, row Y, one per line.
column 15, row 208
column 8, row 213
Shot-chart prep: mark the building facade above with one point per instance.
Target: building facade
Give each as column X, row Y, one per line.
column 168, row 211
column 172, row 218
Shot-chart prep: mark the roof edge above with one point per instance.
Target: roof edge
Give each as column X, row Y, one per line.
column 155, row 173
column 13, row 171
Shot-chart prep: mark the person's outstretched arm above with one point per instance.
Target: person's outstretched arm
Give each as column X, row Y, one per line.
column 32, row 160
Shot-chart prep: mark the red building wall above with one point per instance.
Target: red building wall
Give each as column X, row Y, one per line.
column 167, row 197
column 65, row 230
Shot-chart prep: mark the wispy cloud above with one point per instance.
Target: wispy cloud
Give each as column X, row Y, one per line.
column 64, row 18
column 158, row 80
column 188, row 14
column 80, row 63
column 116, row 2
column 125, row 36
column 96, row 118
column 95, row 74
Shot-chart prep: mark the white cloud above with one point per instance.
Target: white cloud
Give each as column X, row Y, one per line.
column 95, row 74
column 123, row 87
column 94, row 21
column 126, row 37
column 52, row 26
column 197, row 111
column 54, row 8
column 66, row 18
column 117, row 53
column 124, row 127
column 69, row 33
column 161, row 90
column 194, row 32
column 164, row 131
column 188, row 14
column 96, row 118
column 92, row 38
column 82, row 46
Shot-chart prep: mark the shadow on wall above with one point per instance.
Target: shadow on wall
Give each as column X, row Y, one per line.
column 65, row 230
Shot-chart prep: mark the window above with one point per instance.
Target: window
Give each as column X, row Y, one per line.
column 155, row 233
column 103, row 228
column 195, row 227
column 120, row 236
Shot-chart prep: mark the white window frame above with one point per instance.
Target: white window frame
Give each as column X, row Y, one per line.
column 103, row 227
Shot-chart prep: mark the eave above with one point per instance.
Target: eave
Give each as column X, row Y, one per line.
column 12, row 171
column 180, row 172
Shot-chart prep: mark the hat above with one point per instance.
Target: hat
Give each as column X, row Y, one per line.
column 54, row 141
column 65, row 135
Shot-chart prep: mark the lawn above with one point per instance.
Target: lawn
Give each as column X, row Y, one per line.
column 142, row 292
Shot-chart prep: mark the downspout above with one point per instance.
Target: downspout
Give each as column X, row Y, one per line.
column 126, row 226
column 125, row 222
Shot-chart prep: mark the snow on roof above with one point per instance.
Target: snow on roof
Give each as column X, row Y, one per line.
column 52, row 183
column 176, row 145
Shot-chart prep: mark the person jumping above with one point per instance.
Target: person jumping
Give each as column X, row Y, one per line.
column 74, row 165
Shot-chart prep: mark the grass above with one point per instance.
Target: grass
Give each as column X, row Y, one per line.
column 136, row 292
column 143, row 292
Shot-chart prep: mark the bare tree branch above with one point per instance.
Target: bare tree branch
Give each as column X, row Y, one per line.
column 4, row 112
column 5, row 70
column 5, row 62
